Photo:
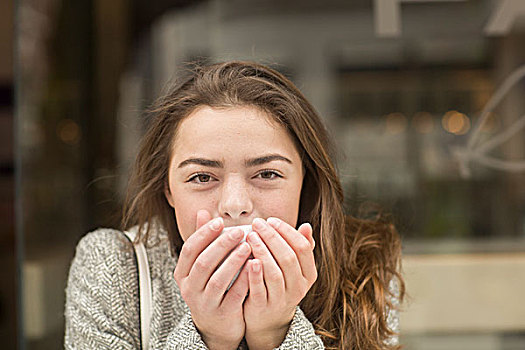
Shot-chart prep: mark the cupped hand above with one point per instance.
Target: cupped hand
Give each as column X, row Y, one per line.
column 280, row 275
column 203, row 281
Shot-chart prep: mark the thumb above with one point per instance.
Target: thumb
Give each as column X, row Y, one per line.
column 203, row 216
column 307, row 231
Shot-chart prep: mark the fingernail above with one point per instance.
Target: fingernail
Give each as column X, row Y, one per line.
column 244, row 248
column 253, row 237
column 308, row 224
column 215, row 224
column 274, row 222
column 236, row 234
column 258, row 223
column 256, row 266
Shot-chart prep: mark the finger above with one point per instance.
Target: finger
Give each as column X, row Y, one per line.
column 213, row 256
column 283, row 254
column 194, row 246
column 298, row 240
column 273, row 275
column 238, row 290
column 203, row 216
column 258, row 293
column 307, row 231
column 218, row 283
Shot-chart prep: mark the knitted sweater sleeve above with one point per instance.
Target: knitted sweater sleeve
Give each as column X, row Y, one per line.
column 301, row 334
column 185, row 336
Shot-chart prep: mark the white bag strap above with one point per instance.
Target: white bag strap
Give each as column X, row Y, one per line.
column 145, row 290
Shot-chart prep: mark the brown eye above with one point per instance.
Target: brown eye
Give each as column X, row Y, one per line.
column 269, row 175
column 200, row 178
column 203, row 178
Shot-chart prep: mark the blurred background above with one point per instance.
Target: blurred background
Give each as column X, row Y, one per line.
column 401, row 85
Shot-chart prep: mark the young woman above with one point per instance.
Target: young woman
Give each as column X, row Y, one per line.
column 234, row 144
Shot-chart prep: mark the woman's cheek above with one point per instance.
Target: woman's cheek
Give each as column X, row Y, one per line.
column 187, row 205
column 186, row 220
column 284, row 207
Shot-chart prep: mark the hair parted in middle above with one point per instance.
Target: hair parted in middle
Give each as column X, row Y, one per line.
column 356, row 259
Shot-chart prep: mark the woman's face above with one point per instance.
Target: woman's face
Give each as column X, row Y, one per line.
column 237, row 163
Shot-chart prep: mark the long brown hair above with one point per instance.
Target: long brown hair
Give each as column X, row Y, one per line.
column 356, row 259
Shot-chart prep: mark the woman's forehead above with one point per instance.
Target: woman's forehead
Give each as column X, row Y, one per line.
column 234, row 129
column 234, row 117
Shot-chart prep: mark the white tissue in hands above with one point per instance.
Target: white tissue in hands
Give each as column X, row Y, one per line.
column 246, row 229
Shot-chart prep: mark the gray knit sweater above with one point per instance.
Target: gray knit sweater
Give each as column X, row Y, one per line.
column 102, row 301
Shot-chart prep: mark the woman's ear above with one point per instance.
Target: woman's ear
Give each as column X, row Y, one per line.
column 168, row 196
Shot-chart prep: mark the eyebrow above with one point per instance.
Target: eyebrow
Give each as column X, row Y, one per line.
column 248, row 163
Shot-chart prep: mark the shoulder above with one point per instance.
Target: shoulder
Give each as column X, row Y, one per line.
column 103, row 238
column 102, row 255
column 103, row 273
column 103, row 243
column 101, row 294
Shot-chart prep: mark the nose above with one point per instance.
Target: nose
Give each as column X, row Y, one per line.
column 235, row 201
